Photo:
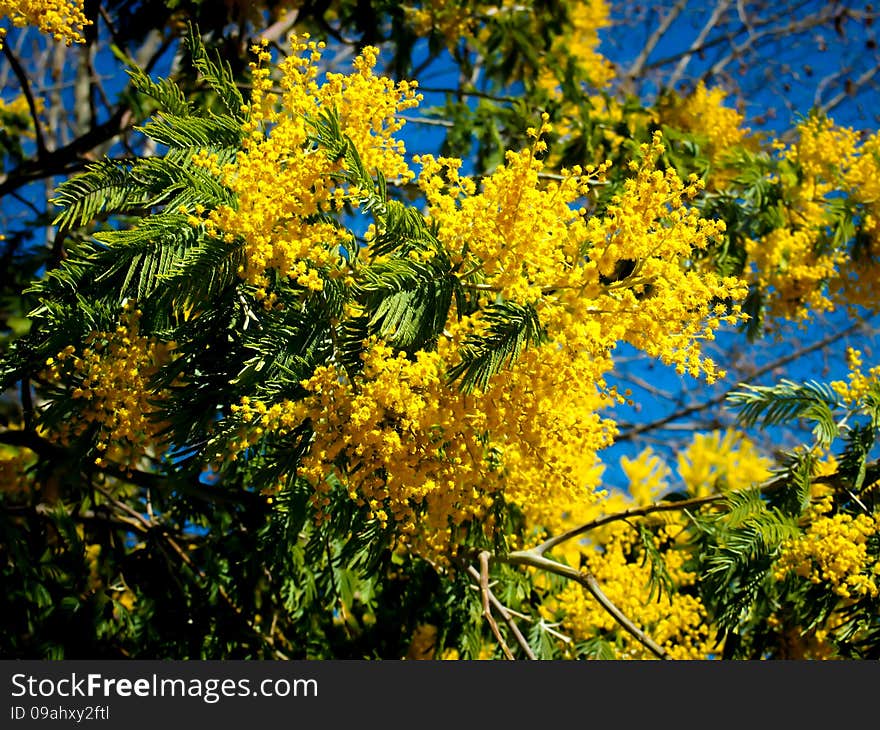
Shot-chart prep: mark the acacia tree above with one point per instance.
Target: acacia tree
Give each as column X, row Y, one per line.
column 279, row 387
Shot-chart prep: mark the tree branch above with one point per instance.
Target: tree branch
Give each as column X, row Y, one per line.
column 655, row 37
column 588, row 581
column 483, row 578
column 29, row 97
column 68, row 158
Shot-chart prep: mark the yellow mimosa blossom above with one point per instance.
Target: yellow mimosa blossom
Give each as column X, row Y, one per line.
column 14, row 465
column 647, row 475
column 110, row 376
column 616, row 557
column 403, row 442
column 833, row 550
column 452, row 20
column 798, row 266
column 64, row 20
column 858, row 383
column 716, row 460
column 283, row 185
column 578, row 43
column 704, row 113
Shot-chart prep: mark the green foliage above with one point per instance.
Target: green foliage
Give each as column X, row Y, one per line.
column 509, row 327
column 787, row 401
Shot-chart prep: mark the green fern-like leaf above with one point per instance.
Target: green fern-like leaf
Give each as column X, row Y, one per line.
column 175, row 181
column 510, row 327
column 165, row 92
column 191, row 131
column 659, row 580
column 795, row 479
column 408, row 301
column 786, row 402
column 104, row 187
column 743, row 506
column 138, row 260
column 853, row 462
column 217, row 73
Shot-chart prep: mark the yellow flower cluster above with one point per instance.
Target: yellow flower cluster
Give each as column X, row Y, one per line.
column 729, row 460
column 282, row 183
column 14, row 464
column 833, row 550
column 859, row 384
column 704, row 113
column 678, row 621
column 796, row 265
column 578, row 43
column 614, row 554
column 15, row 116
column 794, row 642
column 647, row 475
column 111, row 377
column 415, row 452
column 423, row 644
column 403, row 443
column 64, row 20
column 452, row 20
column 526, row 241
column 427, row 459
column 451, row 654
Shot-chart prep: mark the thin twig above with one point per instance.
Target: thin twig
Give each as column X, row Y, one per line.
column 720, row 9
column 163, row 536
column 552, row 542
column 872, row 472
column 506, row 613
column 487, row 611
column 655, row 37
column 841, row 96
column 29, row 97
column 587, row 580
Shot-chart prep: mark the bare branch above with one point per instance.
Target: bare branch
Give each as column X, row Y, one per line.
column 639, row 64
column 487, row 611
column 29, row 97
column 588, row 581
column 172, row 544
column 506, row 613
column 861, row 81
column 719, row 11
column 624, row 515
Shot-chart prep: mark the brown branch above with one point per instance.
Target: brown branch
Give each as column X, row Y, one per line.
column 655, row 37
column 872, row 473
column 68, row 158
column 45, row 449
column 27, row 439
column 678, row 72
column 728, row 37
column 43, row 509
column 859, row 82
column 483, row 577
column 171, row 543
column 552, row 542
column 29, row 97
column 588, row 581
column 505, row 613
